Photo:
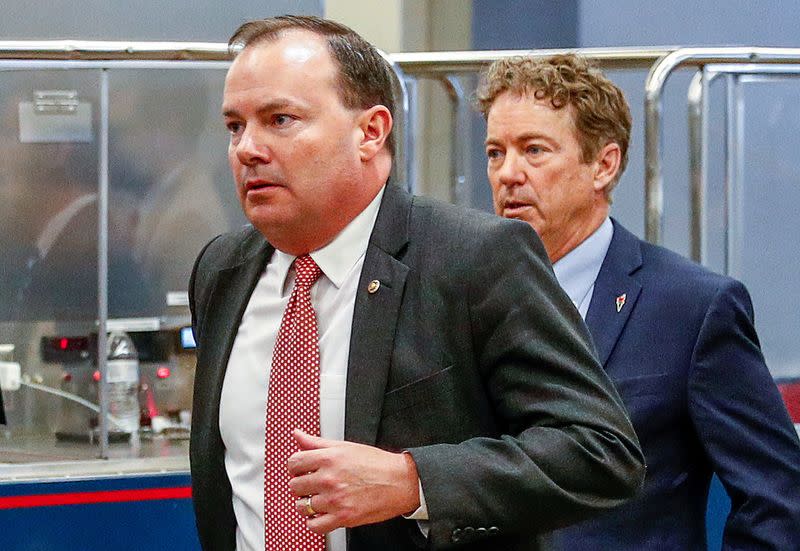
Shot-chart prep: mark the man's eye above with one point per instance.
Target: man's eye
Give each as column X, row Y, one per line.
column 533, row 150
column 281, row 119
column 233, row 127
column 493, row 153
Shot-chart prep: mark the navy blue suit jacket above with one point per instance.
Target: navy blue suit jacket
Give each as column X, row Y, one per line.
column 685, row 357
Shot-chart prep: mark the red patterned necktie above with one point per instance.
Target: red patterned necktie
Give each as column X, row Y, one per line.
column 293, row 403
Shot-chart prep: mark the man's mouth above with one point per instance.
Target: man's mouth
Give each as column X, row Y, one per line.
column 512, row 209
column 255, row 184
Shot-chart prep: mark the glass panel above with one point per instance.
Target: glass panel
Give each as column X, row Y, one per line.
column 48, row 206
column 169, row 193
column 770, row 258
column 48, row 252
column 170, row 187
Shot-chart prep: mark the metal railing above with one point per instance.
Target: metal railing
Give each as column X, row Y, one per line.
column 94, row 50
column 733, row 61
column 443, row 67
column 446, row 68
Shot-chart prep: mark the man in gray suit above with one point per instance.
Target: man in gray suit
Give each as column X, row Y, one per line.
column 459, row 402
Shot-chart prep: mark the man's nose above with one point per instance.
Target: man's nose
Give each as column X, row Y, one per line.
column 252, row 149
column 510, row 172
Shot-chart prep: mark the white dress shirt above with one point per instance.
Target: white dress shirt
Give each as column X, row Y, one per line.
column 577, row 271
column 243, row 403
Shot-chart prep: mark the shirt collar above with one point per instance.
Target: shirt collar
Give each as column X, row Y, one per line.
column 338, row 257
column 577, row 271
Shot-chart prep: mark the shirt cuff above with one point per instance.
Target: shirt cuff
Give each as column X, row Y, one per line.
column 422, row 511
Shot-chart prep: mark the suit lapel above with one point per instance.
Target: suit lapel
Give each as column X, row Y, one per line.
column 228, row 300
column 615, row 292
column 375, row 318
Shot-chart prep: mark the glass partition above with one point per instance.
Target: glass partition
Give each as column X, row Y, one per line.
column 48, row 250
column 169, row 182
column 763, row 213
column 169, row 192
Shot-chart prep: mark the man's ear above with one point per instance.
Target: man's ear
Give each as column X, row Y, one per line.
column 607, row 165
column 375, row 124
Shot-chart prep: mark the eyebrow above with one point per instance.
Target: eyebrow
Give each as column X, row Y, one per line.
column 268, row 107
column 525, row 136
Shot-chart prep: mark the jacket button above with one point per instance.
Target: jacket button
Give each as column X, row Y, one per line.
column 482, row 532
column 455, row 537
column 493, row 530
column 469, row 532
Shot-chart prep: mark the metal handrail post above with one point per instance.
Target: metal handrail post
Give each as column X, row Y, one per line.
column 460, row 133
column 102, row 263
column 402, row 136
column 412, row 130
column 697, row 122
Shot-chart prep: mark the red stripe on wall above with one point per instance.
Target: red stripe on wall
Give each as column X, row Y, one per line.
column 78, row 498
column 791, row 396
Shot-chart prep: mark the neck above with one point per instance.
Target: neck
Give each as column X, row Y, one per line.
column 577, row 235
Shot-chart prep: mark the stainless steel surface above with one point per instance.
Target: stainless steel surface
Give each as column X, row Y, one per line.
column 55, row 101
column 412, row 130
column 102, row 264
column 445, row 63
column 697, row 140
column 414, row 63
column 400, row 167
column 101, row 50
column 34, row 460
column 459, row 158
column 735, row 177
column 730, row 163
column 654, row 86
column 697, row 99
column 46, row 424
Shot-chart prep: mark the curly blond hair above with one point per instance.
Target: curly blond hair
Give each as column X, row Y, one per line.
column 599, row 110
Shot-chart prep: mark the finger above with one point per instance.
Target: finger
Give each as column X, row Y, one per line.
column 322, row 524
column 309, row 442
column 303, row 462
column 306, row 485
column 310, row 506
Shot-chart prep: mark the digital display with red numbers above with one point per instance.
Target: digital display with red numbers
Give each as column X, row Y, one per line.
column 62, row 349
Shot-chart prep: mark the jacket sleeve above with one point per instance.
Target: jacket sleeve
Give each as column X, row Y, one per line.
column 741, row 420
column 565, row 447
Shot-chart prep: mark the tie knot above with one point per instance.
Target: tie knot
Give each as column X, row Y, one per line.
column 307, row 271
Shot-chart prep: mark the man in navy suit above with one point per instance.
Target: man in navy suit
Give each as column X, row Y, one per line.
column 677, row 339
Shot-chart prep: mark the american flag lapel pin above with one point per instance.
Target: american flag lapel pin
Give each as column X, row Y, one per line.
column 620, row 301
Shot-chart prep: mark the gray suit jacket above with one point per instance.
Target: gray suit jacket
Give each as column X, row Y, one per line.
column 470, row 356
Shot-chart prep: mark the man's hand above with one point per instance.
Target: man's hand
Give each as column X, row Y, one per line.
column 350, row 484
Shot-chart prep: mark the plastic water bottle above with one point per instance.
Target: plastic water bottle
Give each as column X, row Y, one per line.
column 123, row 383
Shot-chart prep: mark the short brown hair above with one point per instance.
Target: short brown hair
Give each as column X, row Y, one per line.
column 365, row 77
column 599, row 110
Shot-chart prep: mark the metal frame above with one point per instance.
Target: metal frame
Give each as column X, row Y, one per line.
column 736, row 76
column 443, row 67
column 446, row 68
column 748, row 60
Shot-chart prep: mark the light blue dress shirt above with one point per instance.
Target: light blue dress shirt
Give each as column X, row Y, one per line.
column 577, row 271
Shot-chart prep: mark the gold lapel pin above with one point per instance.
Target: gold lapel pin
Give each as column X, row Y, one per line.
column 620, row 301
column 373, row 286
